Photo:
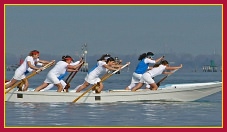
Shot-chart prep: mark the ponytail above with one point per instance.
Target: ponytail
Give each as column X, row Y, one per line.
column 142, row 56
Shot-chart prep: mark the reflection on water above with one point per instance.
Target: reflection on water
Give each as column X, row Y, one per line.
column 176, row 113
column 149, row 114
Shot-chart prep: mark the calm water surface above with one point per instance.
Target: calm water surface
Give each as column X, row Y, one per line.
column 206, row 112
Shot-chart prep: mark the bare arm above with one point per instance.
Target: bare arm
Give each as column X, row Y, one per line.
column 174, row 67
column 114, row 69
column 44, row 61
column 31, row 66
column 72, row 70
column 75, row 66
column 110, row 68
column 159, row 59
column 165, row 72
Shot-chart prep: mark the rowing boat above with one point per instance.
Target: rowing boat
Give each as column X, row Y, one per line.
column 168, row 92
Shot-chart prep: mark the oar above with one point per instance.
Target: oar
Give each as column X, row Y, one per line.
column 158, row 83
column 71, row 76
column 31, row 75
column 68, row 77
column 103, row 79
column 71, row 73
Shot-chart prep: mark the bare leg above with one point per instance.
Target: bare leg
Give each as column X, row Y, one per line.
column 153, row 86
column 25, row 84
column 138, row 86
column 20, row 86
column 131, row 86
column 127, row 88
column 60, row 87
column 42, row 86
column 100, row 87
column 83, row 86
column 12, row 82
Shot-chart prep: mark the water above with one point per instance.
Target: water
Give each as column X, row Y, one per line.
column 206, row 112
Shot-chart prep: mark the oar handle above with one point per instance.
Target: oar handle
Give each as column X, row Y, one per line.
column 75, row 72
column 46, row 66
column 121, row 68
column 70, row 77
column 108, row 75
column 158, row 83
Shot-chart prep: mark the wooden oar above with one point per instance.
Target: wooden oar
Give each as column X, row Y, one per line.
column 31, row 75
column 70, row 77
column 106, row 76
column 71, row 73
column 158, row 83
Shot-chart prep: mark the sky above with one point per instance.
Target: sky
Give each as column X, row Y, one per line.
column 118, row 29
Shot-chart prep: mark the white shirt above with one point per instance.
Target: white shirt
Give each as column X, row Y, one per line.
column 59, row 68
column 147, row 60
column 99, row 69
column 34, row 64
column 24, row 66
column 156, row 70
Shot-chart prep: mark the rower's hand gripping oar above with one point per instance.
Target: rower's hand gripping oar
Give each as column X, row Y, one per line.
column 32, row 74
column 103, row 79
column 71, row 76
column 158, row 83
column 67, row 79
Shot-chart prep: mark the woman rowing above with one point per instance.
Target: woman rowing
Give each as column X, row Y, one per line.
column 62, row 76
column 56, row 71
column 148, row 76
column 145, row 59
column 104, row 64
column 29, row 63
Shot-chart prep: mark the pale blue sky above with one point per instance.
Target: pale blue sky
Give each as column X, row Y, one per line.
column 114, row 29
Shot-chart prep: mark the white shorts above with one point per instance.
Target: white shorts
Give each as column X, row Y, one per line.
column 146, row 77
column 19, row 75
column 52, row 85
column 92, row 79
column 136, row 79
column 52, row 78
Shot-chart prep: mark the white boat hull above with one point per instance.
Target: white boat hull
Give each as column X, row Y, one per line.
column 173, row 92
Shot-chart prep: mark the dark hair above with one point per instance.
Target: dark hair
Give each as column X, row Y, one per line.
column 150, row 54
column 156, row 65
column 142, row 56
column 103, row 57
column 33, row 52
column 110, row 59
column 64, row 58
column 163, row 62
